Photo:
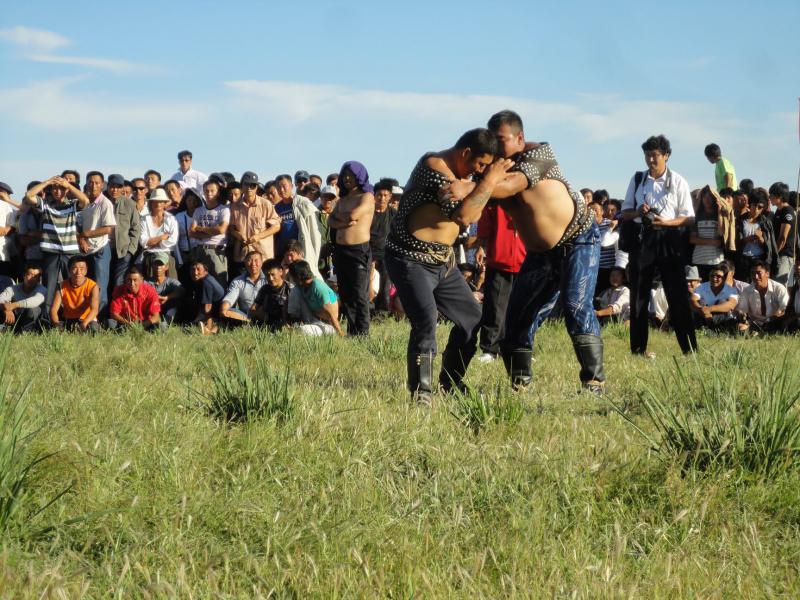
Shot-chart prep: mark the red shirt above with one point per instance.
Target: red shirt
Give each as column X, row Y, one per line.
column 504, row 250
column 135, row 307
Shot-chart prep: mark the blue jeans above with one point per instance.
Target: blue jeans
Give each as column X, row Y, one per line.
column 100, row 271
column 569, row 271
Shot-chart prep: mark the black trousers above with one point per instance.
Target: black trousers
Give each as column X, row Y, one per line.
column 660, row 250
column 427, row 290
column 352, row 264
column 496, row 291
column 382, row 300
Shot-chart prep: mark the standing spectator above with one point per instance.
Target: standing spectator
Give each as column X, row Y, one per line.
column 170, row 291
column 209, row 227
column 175, row 193
column 316, row 180
column 125, row 241
column 615, row 301
column 379, row 232
column 153, row 180
column 78, row 299
column 59, row 229
column 724, row 173
column 301, row 180
column 139, row 195
column 243, row 291
column 504, row 253
column 186, row 244
column 22, row 303
column 352, row 219
column 660, row 201
column 94, row 238
column 135, row 301
column 754, row 235
column 588, row 195
column 272, row 302
column 706, row 233
column 254, row 224
column 327, row 202
column 186, row 174
column 714, row 301
column 785, row 223
column 159, row 233
column 298, row 222
column 29, row 231
column 8, row 225
column 763, row 304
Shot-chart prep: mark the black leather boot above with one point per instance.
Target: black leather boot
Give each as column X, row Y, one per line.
column 420, row 377
column 454, row 367
column 518, row 366
column 589, row 350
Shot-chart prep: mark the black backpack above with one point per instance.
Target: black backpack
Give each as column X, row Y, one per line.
column 630, row 232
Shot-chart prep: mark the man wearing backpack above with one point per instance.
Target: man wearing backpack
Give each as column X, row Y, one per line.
column 657, row 207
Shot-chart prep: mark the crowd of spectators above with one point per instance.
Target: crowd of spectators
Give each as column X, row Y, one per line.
column 216, row 252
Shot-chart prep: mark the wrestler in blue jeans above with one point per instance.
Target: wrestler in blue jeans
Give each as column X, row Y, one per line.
column 569, row 270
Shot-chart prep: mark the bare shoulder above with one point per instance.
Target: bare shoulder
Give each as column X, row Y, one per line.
column 437, row 163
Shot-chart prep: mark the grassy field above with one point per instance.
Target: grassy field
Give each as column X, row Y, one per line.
column 359, row 493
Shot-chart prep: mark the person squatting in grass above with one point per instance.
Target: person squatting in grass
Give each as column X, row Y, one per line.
column 420, row 260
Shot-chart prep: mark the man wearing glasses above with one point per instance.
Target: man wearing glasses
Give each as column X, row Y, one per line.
column 185, row 173
column 254, row 224
column 659, row 201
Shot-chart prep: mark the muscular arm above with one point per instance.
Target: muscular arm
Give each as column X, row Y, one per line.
column 513, row 184
column 783, row 235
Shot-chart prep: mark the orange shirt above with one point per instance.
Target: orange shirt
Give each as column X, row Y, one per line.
column 76, row 302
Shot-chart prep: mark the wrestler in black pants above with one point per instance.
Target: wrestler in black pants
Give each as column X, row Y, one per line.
column 425, row 291
column 496, row 291
column 660, row 249
column 352, row 265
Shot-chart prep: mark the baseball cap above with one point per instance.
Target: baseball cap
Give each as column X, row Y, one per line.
column 301, row 176
column 249, row 178
column 6, row 188
column 327, row 189
column 116, row 179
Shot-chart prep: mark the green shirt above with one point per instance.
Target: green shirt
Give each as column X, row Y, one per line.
column 317, row 295
column 722, row 167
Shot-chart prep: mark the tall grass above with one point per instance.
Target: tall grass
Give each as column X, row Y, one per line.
column 478, row 409
column 726, row 418
column 243, row 393
column 18, row 464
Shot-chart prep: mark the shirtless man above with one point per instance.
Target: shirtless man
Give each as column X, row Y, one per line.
column 563, row 254
column 420, row 261
column 352, row 219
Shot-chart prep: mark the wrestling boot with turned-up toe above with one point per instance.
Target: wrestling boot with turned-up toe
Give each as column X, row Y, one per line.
column 589, row 350
column 454, row 367
column 420, row 377
column 518, row 366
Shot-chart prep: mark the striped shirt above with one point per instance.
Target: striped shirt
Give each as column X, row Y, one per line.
column 607, row 253
column 707, row 229
column 59, row 233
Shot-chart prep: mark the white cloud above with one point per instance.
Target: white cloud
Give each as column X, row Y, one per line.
column 104, row 64
column 36, row 40
column 38, row 45
column 56, row 105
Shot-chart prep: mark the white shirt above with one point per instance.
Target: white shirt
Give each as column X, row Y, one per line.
column 776, row 299
column 149, row 230
column 619, row 299
column 8, row 218
column 212, row 217
column 669, row 195
column 706, row 296
column 98, row 213
column 191, row 179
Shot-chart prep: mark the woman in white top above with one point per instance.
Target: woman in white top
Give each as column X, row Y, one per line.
column 159, row 233
column 706, row 234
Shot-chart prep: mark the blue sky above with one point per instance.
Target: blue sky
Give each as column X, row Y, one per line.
column 275, row 87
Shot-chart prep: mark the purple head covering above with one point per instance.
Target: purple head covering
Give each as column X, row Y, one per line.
column 360, row 172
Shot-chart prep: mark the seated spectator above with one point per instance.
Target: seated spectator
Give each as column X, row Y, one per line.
column 470, row 274
column 317, row 312
column 272, row 301
column 762, row 304
column 614, row 303
column 135, row 301
column 22, row 303
column 242, row 292
column 207, row 294
column 731, row 279
column 78, row 299
column 792, row 320
column 170, row 291
column 714, row 302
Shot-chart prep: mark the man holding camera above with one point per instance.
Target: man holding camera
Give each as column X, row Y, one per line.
column 658, row 206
